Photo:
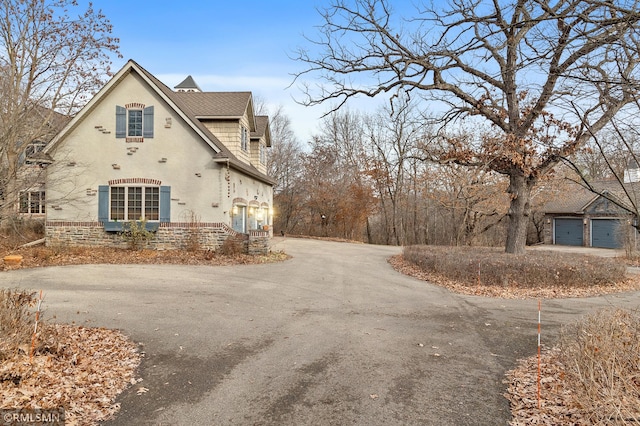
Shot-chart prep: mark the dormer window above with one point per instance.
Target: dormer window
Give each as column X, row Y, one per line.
column 244, row 139
column 134, row 122
column 32, row 153
column 263, row 154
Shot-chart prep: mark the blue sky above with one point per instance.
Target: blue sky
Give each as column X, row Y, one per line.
column 225, row 46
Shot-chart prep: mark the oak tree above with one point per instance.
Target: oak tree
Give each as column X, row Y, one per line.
column 545, row 75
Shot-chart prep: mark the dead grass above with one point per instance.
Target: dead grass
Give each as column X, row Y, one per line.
column 491, row 272
column 16, row 321
column 601, row 356
column 591, row 378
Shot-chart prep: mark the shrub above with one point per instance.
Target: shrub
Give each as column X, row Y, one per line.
column 17, row 231
column 194, row 234
column 491, row 266
column 136, row 234
column 230, row 247
column 601, row 356
column 16, row 321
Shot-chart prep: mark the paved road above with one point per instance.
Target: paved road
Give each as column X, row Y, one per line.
column 333, row 336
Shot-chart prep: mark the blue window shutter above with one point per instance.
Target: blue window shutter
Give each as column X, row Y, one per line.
column 103, row 203
column 103, row 210
column 165, row 204
column 147, row 122
column 121, row 122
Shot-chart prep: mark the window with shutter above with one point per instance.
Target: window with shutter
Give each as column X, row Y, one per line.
column 121, row 204
column 134, row 122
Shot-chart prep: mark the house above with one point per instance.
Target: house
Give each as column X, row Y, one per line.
column 22, row 182
column 186, row 161
column 580, row 217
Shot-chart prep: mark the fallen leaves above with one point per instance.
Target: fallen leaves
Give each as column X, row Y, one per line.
column 556, row 406
column 84, row 374
column 60, row 256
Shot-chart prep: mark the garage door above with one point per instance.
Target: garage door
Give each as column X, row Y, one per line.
column 604, row 233
column 568, row 232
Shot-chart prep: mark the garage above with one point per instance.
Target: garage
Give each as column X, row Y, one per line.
column 605, row 233
column 568, row 232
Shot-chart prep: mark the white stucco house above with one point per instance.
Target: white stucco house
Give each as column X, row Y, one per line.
column 181, row 159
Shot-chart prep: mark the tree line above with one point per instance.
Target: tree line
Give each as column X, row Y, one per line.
column 366, row 177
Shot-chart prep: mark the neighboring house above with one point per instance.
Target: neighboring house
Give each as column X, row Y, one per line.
column 25, row 194
column 188, row 162
column 579, row 217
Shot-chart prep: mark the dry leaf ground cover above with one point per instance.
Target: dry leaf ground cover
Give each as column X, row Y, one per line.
column 60, row 256
column 84, row 373
column 47, row 366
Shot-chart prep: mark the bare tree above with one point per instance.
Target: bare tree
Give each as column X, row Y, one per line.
column 623, row 187
column 609, row 154
column 391, row 136
column 285, row 165
column 473, row 199
column 339, row 191
column 522, row 65
column 53, row 58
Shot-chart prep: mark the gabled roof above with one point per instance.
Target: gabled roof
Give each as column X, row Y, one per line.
column 262, row 129
column 181, row 105
column 577, row 199
column 216, row 104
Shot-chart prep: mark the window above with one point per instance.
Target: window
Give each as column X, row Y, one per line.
column 134, row 127
column 31, row 150
column 134, row 203
column 32, row 202
column 263, row 154
column 134, row 122
column 119, row 204
column 244, row 141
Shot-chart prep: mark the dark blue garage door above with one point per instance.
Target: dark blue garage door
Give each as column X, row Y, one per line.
column 568, row 232
column 605, row 234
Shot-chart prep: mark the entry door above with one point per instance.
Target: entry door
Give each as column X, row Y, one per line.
column 240, row 219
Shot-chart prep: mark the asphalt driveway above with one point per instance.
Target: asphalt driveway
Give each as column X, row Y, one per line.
column 333, row 336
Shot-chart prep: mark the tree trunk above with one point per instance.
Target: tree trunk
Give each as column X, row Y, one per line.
column 519, row 211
